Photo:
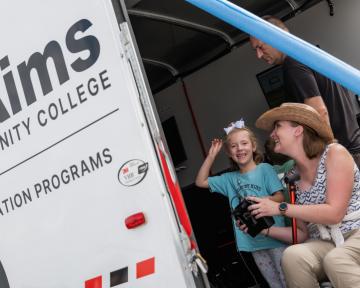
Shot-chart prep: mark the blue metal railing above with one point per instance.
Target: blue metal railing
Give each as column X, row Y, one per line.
column 289, row 44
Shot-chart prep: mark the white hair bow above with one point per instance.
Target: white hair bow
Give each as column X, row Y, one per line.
column 237, row 124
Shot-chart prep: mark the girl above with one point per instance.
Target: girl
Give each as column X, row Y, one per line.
column 249, row 178
column 327, row 200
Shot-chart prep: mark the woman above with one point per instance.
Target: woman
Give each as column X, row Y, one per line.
column 327, row 207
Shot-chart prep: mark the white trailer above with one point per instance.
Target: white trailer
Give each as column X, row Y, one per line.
column 89, row 197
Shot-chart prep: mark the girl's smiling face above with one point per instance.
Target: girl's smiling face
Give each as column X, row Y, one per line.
column 240, row 148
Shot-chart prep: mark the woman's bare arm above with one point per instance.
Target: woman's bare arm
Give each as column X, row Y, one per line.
column 284, row 234
column 339, row 185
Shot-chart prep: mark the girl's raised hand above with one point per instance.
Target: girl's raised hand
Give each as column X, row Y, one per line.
column 215, row 148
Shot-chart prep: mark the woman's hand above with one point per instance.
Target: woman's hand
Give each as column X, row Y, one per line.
column 263, row 207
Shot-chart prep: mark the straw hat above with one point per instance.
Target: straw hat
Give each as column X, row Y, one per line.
column 297, row 112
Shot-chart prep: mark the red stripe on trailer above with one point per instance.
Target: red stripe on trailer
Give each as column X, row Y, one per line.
column 94, row 282
column 145, row 268
column 177, row 198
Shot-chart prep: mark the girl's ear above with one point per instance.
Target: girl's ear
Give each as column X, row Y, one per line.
column 254, row 147
column 253, row 143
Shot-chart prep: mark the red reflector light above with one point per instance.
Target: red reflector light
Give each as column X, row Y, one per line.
column 135, row 220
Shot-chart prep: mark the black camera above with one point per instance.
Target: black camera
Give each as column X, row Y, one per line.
column 255, row 226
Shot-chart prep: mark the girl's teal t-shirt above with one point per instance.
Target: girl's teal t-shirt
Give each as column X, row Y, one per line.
column 260, row 182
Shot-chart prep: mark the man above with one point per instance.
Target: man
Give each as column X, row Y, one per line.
column 334, row 102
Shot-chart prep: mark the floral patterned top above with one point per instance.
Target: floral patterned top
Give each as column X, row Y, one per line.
column 317, row 195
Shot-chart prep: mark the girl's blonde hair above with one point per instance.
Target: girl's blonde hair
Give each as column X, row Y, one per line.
column 257, row 155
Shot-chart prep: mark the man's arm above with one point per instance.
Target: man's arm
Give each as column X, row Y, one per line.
column 318, row 104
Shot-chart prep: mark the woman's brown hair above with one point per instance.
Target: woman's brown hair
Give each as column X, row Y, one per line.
column 313, row 144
